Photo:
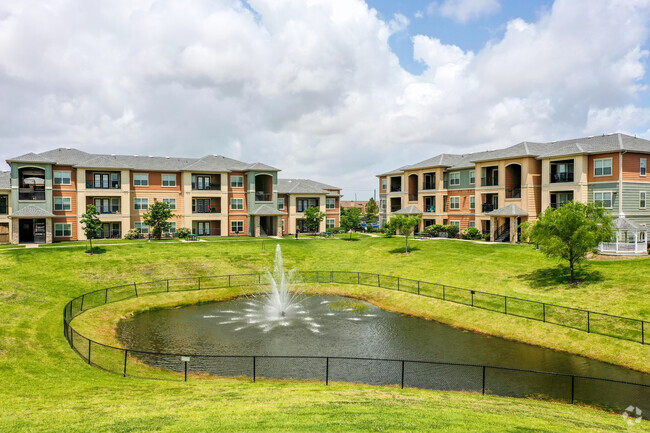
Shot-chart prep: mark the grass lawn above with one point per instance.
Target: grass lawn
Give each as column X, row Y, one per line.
column 46, row 387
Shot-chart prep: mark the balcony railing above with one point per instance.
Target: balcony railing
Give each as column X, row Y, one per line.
column 112, row 185
column 107, row 210
column 210, row 187
column 30, row 194
column 208, row 210
column 430, row 209
column 489, row 181
column 561, row 177
column 429, row 185
column 263, row 196
column 395, row 189
column 513, row 193
column 489, row 207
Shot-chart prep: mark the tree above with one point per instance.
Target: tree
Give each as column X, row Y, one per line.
column 350, row 219
column 405, row 225
column 313, row 218
column 371, row 211
column 157, row 218
column 92, row 226
column 571, row 231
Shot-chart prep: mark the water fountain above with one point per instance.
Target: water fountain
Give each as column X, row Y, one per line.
column 281, row 306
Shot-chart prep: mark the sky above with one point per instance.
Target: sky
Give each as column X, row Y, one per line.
column 337, row 91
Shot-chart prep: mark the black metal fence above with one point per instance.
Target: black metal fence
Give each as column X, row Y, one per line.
column 429, row 375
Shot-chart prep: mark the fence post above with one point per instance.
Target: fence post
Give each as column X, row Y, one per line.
column 126, row 352
column 106, row 297
column 331, row 276
column 229, row 285
column 358, row 278
column 588, row 324
column 402, row 374
column 443, row 293
column 378, row 283
column 573, row 388
column 398, row 284
column 83, row 297
column 642, row 333
column 472, row 292
column 544, row 312
column 135, row 287
column 317, row 278
column 505, row 305
column 167, row 285
column 185, row 371
column 327, row 370
column 199, row 283
column 71, row 338
column 254, row 369
column 89, row 343
column 418, row 287
column 259, row 279
column 483, row 380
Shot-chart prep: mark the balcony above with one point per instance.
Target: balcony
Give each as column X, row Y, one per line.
column 206, row 187
column 513, row 193
column 413, row 197
column 430, row 209
column 429, row 185
column 489, row 207
column 29, row 194
column 263, row 196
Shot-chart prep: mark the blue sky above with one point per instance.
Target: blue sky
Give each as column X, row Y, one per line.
column 325, row 89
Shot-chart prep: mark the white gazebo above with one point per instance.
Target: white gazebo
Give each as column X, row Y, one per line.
column 630, row 238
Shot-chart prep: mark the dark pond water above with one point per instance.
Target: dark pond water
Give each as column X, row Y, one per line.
column 217, row 329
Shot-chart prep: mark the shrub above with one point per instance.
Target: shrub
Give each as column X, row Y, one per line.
column 434, row 229
column 452, row 230
column 132, row 234
column 472, row 233
column 182, row 232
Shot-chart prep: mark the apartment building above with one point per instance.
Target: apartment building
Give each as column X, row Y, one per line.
column 44, row 195
column 297, row 195
column 497, row 190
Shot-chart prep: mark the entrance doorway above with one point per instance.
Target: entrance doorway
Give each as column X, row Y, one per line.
column 268, row 226
column 26, row 231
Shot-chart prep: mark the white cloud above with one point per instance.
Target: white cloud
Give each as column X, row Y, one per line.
column 463, row 11
column 310, row 87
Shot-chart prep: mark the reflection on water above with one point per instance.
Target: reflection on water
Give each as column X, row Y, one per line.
column 372, row 333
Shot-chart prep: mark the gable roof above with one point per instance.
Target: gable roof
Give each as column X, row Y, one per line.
column 78, row 158
column 408, row 210
column 31, row 211
column 510, row 210
column 265, row 210
column 305, row 186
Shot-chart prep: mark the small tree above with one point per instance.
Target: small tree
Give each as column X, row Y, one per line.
column 313, row 218
column 405, row 225
column 571, row 231
column 158, row 218
column 92, row 226
column 350, row 219
column 371, row 211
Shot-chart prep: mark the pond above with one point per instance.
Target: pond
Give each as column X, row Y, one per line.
column 342, row 327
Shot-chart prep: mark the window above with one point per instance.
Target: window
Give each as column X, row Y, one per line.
column 603, row 167
column 62, row 203
column 201, row 205
column 171, row 228
column 472, row 223
column 384, row 184
column 4, row 204
column 472, row 177
column 115, row 205
column 144, row 229
column 103, row 205
column 472, row 202
column 329, row 223
column 140, row 203
column 642, row 200
column 236, row 181
column 280, row 203
column 302, row 204
column 237, row 226
column 202, row 228
column 202, row 183
column 282, row 223
column 102, row 180
column 603, row 199
column 141, row 179
column 62, row 178
column 643, row 166
column 62, row 230
column 454, row 178
column 171, row 202
column 454, row 202
column 237, row 203
column 454, row 223
column 330, row 203
column 169, row 180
